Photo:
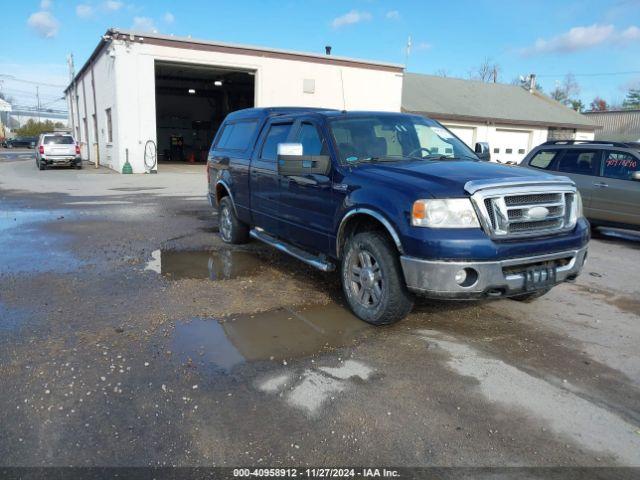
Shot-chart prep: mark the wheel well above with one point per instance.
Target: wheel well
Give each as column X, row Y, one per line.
column 362, row 222
column 221, row 192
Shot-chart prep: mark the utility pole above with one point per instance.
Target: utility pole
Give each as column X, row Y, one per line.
column 407, row 53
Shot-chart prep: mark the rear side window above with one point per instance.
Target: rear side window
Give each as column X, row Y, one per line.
column 277, row 134
column 544, row 159
column 58, row 140
column 237, row 136
column 620, row 165
column 583, row 162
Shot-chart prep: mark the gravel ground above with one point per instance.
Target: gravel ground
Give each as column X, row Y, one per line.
column 131, row 336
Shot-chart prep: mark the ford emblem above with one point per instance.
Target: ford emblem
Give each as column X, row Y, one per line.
column 537, row 213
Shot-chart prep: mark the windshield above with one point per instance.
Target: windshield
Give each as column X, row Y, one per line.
column 395, row 137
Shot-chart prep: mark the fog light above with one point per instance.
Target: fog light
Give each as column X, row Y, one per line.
column 461, row 276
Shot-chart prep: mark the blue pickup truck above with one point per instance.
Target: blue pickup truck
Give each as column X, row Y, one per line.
column 395, row 202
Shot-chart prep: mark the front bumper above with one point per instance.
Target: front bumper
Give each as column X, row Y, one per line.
column 436, row 279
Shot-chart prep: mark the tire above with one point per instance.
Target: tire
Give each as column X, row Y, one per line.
column 530, row 297
column 231, row 229
column 380, row 298
column 78, row 166
column 41, row 166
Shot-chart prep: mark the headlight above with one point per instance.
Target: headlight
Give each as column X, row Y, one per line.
column 444, row 213
column 576, row 209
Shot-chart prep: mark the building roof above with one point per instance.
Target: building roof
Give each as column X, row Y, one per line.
column 469, row 100
column 233, row 48
column 617, row 125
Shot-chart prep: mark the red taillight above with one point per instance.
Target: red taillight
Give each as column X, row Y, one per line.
column 41, row 149
column 77, row 150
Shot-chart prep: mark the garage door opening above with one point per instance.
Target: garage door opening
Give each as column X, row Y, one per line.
column 191, row 103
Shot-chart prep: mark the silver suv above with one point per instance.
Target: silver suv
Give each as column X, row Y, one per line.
column 57, row 149
column 607, row 175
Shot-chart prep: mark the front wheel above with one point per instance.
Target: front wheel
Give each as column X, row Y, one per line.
column 372, row 279
column 231, row 229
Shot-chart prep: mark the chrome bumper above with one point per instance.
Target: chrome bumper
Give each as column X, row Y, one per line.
column 494, row 279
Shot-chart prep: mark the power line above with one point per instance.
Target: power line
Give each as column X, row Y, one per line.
column 15, row 79
column 596, row 74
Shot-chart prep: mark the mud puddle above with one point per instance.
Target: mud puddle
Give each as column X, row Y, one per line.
column 25, row 246
column 274, row 335
column 218, row 265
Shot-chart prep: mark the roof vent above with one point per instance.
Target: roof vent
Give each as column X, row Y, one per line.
column 327, row 49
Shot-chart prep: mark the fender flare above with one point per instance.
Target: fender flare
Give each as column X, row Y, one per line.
column 372, row 213
column 226, row 187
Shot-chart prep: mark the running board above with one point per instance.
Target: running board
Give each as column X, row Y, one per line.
column 295, row 252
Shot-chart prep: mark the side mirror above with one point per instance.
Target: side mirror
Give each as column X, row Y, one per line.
column 635, row 176
column 291, row 161
column 482, row 151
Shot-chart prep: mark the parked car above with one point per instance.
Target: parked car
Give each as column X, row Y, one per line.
column 364, row 193
column 21, row 142
column 57, row 149
column 606, row 173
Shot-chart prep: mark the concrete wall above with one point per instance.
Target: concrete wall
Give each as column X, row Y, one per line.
column 125, row 81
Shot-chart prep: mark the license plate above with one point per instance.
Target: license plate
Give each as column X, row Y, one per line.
column 539, row 277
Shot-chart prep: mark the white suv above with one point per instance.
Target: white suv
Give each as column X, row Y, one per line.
column 57, row 149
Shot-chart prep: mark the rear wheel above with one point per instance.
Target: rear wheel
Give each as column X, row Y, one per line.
column 372, row 279
column 231, row 229
column 41, row 166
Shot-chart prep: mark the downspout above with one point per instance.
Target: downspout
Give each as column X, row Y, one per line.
column 85, row 124
column 95, row 112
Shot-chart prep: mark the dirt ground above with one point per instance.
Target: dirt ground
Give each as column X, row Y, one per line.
column 130, row 335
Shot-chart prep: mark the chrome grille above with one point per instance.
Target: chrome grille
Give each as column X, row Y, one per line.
column 518, row 211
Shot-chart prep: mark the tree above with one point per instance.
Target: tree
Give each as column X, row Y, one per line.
column 566, row 91
column 487, row 71
column 576, row 105
column 599, row 105
column 441, row 72
column 632, row 100
column 33, row 128
column 525, row 82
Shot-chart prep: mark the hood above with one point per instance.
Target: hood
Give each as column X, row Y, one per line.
column 445, row 178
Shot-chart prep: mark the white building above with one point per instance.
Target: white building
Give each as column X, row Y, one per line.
column 175, row 92
column 512, row 119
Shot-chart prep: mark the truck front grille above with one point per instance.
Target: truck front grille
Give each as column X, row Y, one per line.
column 521, row 213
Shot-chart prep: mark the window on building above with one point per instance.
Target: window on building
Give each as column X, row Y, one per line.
column 109, row 126
column 620, row 165
column 509, row 150
column 544, row 159
column 584, row 162
column 496, row 150
column 521, row 151
column 237, row 136
column 277, row 134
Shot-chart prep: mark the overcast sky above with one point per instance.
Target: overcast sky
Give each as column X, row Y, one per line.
column 597, row 40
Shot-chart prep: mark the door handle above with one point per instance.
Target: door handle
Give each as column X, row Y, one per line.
column 600, row 185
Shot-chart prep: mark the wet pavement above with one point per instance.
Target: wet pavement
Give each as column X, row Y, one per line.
column 130, row 335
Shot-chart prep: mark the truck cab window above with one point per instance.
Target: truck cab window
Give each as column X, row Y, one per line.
column 237, row 136
column 278, row 133
column 312, row 143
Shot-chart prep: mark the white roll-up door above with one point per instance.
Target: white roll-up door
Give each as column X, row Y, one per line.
column 510, row 146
